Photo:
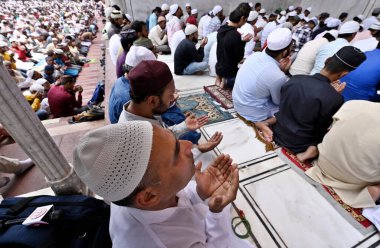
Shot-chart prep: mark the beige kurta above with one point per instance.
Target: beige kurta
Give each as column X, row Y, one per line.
column 349, row 158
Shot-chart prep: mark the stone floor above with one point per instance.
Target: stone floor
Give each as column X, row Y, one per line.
column 283, row 208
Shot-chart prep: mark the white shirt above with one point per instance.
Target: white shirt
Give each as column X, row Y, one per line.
column 306, row 57
column 206, row 21
column 257, row 90
column 189, row 224
column 326, row 51
column 369, row 21
column 173, row 26
column 367, row 44
column 266, row 31
column 114, row 46
column 250, row 45
column 176, row 39
column 158, row 36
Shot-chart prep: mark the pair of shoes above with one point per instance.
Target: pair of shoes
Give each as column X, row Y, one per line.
column 5, row 184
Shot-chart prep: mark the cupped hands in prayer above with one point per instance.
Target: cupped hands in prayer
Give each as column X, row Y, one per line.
column 219, row 182
column 213, row 142
column 338, row 86
column 193, row 123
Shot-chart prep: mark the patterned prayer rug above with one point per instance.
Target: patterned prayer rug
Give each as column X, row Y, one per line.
column 222, row 96
column 356, row 213
column 202, row 104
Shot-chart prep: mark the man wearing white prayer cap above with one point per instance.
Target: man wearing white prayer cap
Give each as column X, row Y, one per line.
column 203, row 23
column 116, row 20
column 346, row 34
column 137, row 54
column 216, row 21
column 188, row 12
column 145, row 172
column 193, row 18
column 255, row 99
column 375, row 17
column 175, row 24
column 187, row 59
column 372, row 42
column 165, row 9
column 306, row 13
column 290, row 8
column 248, row 28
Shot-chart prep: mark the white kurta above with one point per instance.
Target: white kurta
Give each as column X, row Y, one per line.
column 114, row 46
column 189, row 224
column 367, row 44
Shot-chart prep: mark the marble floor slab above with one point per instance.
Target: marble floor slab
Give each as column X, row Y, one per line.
column 289, row 212
column 239, row 142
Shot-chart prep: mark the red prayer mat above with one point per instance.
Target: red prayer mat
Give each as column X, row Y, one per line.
column 356, row 213
column 222, row 96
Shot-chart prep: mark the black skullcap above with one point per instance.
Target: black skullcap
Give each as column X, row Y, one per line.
column 350, row 56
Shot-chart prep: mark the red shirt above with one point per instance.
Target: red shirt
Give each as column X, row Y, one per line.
column 192, row 20
column 62, row 102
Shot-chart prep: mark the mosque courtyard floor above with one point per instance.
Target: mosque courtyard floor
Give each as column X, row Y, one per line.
column 283, row 206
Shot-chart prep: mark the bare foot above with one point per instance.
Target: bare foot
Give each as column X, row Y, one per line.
column 310, row 153
column 374, row 191
column 264, row 128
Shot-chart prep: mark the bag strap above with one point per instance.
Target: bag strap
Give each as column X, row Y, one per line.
column 20, row 205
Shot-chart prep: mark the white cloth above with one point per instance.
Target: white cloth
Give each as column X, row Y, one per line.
column 114, row 46
column 306, row 57
column 373, row 215
column 326, row 51
column 367, row 44
column 257, row 90
column 250, row 45
column 158, row 36
column 369, row 21
column 201, row 25
column 173, row 26
column 189, row 224
column 206, row 22
column 176, row 39
column 213, row 60
column 266, row 31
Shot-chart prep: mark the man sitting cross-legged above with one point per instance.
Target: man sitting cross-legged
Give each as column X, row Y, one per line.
column 152, row 93
column 308, row 104
column 145, row 172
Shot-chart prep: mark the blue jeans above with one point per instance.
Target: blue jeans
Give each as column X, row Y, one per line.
column 42, row 114
column 195, row 67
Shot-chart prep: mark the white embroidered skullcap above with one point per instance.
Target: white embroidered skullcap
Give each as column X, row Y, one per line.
column 36, row 88
column 129, row 17
column 40, row 81
column 349, row 27
column 173, row 8
column 291, row 8
column 279, row 39
column 334, row 33
column 165, row 6
column 375, row 26
column 262, row 11
column 116, row 14
column 58, row 51
column 30, row 73
column 252, row 16
column 217, row 9
column 190, row 29
column 283, row 12
column 251, row 5
column 309, row 9
column 137, row 54
column 361, row 17
column 188, row 5
column 293, row 13
column 113, row 159
column 194, row 11
column 332, row 23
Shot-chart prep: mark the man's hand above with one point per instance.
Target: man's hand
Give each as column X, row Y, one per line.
column 194, row 123
column 338, row 86
column 211, row 143
column 226, row 193
column 204, row 42
column 78, row 88
column 39, row 95
column 247, row 37
column 285, row 64
column 213, row 176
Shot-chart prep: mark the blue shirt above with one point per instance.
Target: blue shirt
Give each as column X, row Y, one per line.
column 152, row 21
column 118, row 97
column 327, row 51
column 362, row 83
column 257, row 90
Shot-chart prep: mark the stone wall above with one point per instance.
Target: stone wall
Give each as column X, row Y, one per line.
column 140, row 9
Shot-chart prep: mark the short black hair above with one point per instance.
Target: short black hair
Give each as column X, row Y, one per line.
column 116, row 7
column 343, row 15
column 239, row 12
column 140, row 99
column 329, row 37
column 257, row 5
column 345, row 36
column 158, row 9
column 334, row 65
column 274, row 54
column 137, row 26
column 67, row 79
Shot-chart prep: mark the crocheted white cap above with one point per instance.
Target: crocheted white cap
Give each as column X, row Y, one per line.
column 137, row 54
column 190, row 29
column 113, row 159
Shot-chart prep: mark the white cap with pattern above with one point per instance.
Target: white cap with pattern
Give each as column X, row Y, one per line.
column 113, row 159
